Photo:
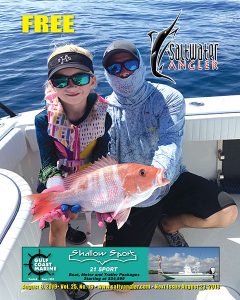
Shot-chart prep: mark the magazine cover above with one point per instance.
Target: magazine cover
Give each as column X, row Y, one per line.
column 119, row 150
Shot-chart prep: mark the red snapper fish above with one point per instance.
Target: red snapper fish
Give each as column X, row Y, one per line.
column 105, row 186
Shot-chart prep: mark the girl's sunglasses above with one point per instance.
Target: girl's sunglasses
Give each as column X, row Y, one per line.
column 61, row 81
column 130, row 65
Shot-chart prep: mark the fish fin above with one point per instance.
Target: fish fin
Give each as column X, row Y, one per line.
column 104, row 162
column 123, row 205
column 165, row 181
column 55, row 188
column 42, row 204
column 134, row 199
column 122, row 217
column 101, row 163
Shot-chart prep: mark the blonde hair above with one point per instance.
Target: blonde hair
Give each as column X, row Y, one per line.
column 70, row 48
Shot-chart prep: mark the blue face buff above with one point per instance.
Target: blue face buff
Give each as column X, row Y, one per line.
column 127, row 87
column 116, row 68
column 130, row 91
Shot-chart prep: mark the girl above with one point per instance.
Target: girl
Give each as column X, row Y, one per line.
column 71, row 132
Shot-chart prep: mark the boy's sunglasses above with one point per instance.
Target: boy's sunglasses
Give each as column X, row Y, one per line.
column 130, row 65
column 61, row 81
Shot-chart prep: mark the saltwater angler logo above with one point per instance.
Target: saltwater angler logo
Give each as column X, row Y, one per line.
column 39, row 264
column 192, row 56
column 102, row 257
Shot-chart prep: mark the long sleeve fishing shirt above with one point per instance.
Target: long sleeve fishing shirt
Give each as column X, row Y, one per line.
column 150, row 133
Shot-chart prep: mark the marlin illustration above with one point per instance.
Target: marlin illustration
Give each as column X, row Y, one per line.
column 156, row 54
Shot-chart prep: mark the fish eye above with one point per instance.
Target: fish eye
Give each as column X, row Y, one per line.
column 142, row 172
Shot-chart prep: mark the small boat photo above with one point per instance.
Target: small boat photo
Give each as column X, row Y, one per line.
column 201, row 264
column 189, row 275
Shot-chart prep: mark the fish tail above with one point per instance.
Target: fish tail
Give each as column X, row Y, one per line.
column 42, row 204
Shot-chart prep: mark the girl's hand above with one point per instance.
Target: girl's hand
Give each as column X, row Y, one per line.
column 60, row 213
column 71, row 210
column 54, row 214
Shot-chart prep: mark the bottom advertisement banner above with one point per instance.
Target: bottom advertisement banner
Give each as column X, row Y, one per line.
column 84, row 264
column 120, row 264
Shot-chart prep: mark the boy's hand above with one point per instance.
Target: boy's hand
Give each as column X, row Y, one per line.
column 105, row 217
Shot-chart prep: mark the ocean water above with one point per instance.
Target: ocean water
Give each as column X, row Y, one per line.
column 23, row 56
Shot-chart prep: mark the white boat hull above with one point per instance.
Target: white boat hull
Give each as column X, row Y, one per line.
column 186, row 277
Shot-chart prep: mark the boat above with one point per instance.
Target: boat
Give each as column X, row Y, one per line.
column 188, row 275
column 210, row 122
